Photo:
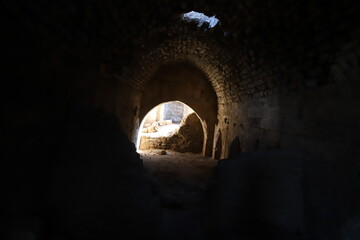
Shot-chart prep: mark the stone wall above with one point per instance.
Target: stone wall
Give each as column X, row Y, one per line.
column 188, row 138
column 174, row 111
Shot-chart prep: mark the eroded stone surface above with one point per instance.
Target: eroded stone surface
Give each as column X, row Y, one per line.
column 188, row 138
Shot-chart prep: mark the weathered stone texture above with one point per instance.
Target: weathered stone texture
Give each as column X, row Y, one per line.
column 188, row 138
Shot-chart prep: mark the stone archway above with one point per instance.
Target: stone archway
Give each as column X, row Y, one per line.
column 159, row 130
column 206, row 57
column 182, row 81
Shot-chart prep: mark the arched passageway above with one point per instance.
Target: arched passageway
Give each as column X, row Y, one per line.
column 171, row 143
column 172, row 126
column 186, row 83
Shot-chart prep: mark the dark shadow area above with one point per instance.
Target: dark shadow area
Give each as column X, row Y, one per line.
column 78, row 179
column 218, row 148
column 181, row 178
column 235, row 148
column 279, row 194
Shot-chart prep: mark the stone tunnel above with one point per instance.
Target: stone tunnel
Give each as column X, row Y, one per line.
column 275, row 84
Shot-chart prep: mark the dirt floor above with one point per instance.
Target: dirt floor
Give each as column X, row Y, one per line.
column 180, row 178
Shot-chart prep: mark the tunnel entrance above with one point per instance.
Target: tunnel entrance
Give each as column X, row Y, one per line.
column 170, row 142
column 171, row 126
column 180, row 160
column 182, row 81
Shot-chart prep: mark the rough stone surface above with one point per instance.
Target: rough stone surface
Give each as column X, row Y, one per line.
column 188, row 138
column 174, row 111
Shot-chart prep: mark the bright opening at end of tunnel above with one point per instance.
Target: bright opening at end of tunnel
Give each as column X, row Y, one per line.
column 200, row 19
column 167, row 125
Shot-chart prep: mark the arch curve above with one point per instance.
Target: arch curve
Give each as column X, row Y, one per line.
column 190, row 122
column 206, row 56
column 182, row 81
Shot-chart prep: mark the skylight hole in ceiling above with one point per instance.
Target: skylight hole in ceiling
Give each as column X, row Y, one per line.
column 200, row 19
